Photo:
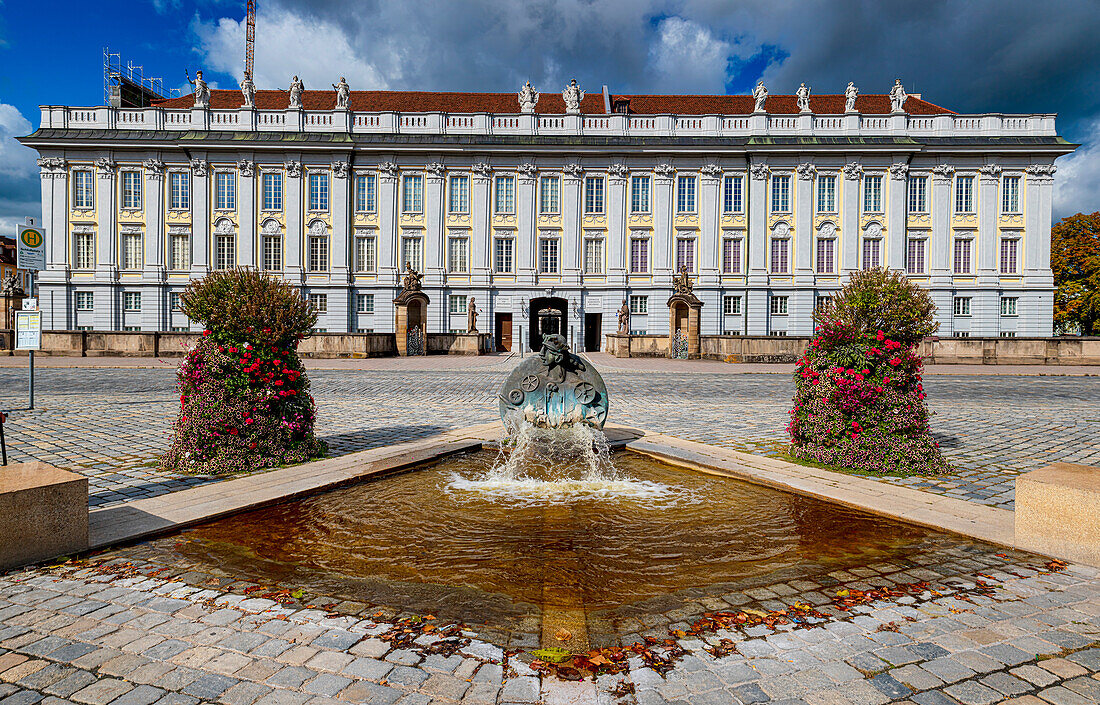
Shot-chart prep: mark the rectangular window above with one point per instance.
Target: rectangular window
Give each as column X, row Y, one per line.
column 131, row 190
column 458, row 255
column 84, row 301
column 225, row 190
column 1010, row 194
column 83, row 189
column 460, row 194
column 364, row 303
column 365, row 254
column 1008, row 305
column 779, row 255
column 366, row 196
column 962, row 256
column 781, row 194
column 962, row 305
column 273, row 253
column 779, row 305
column 131, row 251
column 731, row 195
column 731, row 256
column 83, row 250
column 826, row 255
column 1008, row 255
column 964, row 194
column 179, row 255
column 639, row 305
column 822, row 301
column 131, row 300
column 639, row 255
column 548, row 255
column 685, row 194
column 593, row 194
column 918, row 194
column 412, row 253
column 174, row 301
column 320, row 303
column 456, row 303
column 871, row 248
column 318, row 253
column 731, row 305
column 914, row 256
column 593, row 255
column 872, row 194
column 505, row 194
column 131, row 329
column 685, row 254
column 225, row 255
column 639, row 194
column 318, row 192
column 273, row 191
column 502, row 255
column 826, row 194
column 179, row 190
column 412, row 193
column 549, row 194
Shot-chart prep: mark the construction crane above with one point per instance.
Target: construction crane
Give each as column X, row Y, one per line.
column 250, row 38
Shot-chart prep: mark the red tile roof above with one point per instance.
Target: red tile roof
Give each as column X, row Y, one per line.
column 552, row 103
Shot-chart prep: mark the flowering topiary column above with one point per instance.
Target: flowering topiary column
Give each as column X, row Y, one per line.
column 859, row 400
column 244, row 396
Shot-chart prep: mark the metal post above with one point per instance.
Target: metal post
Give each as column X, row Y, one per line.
column 521, row 341
column 31, row 354
column 3, row 444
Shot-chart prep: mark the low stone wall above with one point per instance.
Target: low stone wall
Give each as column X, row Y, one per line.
column 940, row 351
column 458, row 343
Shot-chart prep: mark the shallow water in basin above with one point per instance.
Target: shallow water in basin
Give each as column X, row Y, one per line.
column 460, row 540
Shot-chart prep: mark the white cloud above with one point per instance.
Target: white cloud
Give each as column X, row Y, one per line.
column 20, row 188
column 1077, row 184
column 688, row 58
column 286, row 45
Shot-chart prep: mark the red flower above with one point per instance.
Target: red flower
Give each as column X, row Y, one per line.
column 881, row 336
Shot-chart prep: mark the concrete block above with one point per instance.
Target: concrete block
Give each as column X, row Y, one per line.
column 1058, row 512
column 43, row 513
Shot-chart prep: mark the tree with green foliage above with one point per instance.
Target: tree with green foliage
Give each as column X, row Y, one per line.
column 1075, row 262
column 859, row 401
column 244, row 396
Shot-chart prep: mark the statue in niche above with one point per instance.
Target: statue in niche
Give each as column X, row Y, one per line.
column 248, row 90
column 624, row 319
column 759, row 94
column 802, row 96
column 411, row 280
column 528, row 97
column 572, row 95
column 471, row 316
column 296, row 88
column 898, row 97
column 850, row 95
column 202, row 91
column 343, row 94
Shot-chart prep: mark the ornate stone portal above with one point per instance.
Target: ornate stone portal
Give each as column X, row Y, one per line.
column 554, row 388
column 410, row 313
column 683, row 312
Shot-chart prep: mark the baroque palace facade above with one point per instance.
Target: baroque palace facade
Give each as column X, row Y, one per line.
column 767, row 202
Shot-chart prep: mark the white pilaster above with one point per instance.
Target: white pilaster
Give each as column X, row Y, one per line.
column 572, row 209
column 616, row 231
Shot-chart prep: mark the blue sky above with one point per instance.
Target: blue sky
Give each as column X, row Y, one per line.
column 976, row 56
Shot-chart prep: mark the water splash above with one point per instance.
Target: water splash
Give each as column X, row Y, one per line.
column 558, row 466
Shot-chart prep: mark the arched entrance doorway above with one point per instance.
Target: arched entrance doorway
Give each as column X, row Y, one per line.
column 547, row 314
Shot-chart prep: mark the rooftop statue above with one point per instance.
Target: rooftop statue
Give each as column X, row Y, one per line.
column 9, row 286
column 202, row 91
column 296, row 88
column 248, row 90
column 802, row 95
column 850, row 95
column 572, row 95
column 760, row 94
column 897, row 97
column 528, row 97
column 343, row 94
column 554, row 388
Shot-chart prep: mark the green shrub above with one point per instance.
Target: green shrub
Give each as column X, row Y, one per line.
column 859, row 400
column 244, row 396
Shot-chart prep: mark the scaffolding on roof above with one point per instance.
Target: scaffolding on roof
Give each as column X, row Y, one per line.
column 127, row 87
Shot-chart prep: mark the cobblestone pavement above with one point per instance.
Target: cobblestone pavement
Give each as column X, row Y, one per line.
column 112, row 424
column 973, row 627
